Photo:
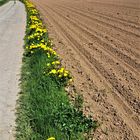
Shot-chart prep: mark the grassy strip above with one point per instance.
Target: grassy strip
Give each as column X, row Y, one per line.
column 45, row 111
column 3, row 2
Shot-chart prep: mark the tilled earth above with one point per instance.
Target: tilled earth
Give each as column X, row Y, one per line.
column 99, row 42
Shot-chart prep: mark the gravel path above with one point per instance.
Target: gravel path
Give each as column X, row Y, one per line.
column 12, row 30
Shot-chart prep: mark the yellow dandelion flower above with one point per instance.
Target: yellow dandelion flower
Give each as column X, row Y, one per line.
column 66, row 71
column 51, row 138
column 65, row 74
column 48, row 64
column 53, row 63
column 48, row 55
column 61, row 70
column 60, row 76
column 57, row 62
column 54, row 53
column 53, row 71
column 71, row 80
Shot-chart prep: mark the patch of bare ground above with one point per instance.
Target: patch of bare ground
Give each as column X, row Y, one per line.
column 98, row 41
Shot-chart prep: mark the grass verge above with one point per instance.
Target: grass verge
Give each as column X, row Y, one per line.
column 44, row 110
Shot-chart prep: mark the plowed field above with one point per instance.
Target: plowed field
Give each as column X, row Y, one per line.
column 99, row 42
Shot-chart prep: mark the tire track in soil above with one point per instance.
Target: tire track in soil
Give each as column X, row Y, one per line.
column 78, row 45
column 115, row 18
column 65, row 32
column 92, row 23
column 122, row 21
column 119, row 31
column 131, row 42
column 90, row 40
column 109, row 45
column 117, row 5
column 134, row 30
column 96, row 48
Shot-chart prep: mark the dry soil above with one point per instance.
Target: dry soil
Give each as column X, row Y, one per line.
column 99, row 42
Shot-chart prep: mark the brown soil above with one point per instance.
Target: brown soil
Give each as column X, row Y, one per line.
column 99, row 42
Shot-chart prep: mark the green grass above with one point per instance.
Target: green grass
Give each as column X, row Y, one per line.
column 3, row 2
column 44, row 109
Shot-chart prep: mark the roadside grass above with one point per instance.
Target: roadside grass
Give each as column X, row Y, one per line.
column 44, row 109
column 3, row 2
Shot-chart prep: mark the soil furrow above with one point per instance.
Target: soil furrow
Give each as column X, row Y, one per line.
column 105, row 22
column 116, row 23
column 107, row 46
column 112, row 40
column 116, row 43
column 108, row 29
column 114, row 82
column 99, row 68
column 114, row 64
column 88, row 7
column 117, row 5
column 123, row 21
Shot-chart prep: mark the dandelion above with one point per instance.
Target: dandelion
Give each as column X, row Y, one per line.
column 65, row 74
column 60, row 76
column 55, row 63
column 51, row 138
column 71, row 80
column 61, row 70
column 66, row 71
column 53, row 71
column 48, row 64
column 48, row 55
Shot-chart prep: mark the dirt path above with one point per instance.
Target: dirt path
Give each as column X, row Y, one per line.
column 12, row 31
column 99, row 43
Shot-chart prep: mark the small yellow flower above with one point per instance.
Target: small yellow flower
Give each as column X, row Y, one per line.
column 61, row 70
column 71, row 80
column 53, row 63
column 60, row 76
column 54, row 53
column 65, row 74
column 53, row 71
column 51, row 138
column 48, row 55
column 48, row 64
column 66, row 71
column 57, row 62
